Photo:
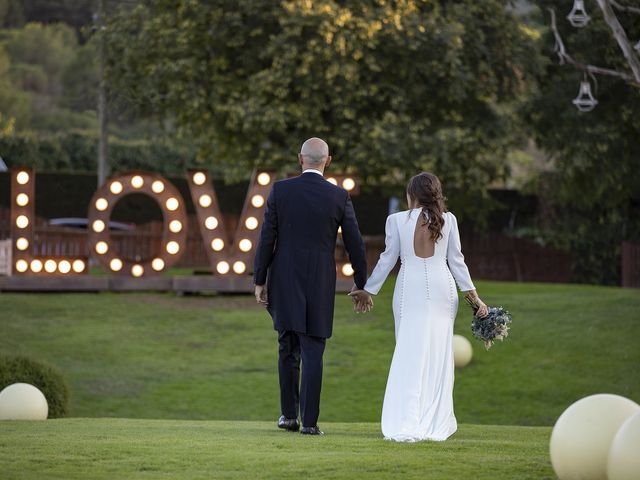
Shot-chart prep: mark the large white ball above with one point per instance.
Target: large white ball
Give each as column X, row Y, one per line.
column 624, row 455
column 582, row 436
column 22, row 401
column 462, row 351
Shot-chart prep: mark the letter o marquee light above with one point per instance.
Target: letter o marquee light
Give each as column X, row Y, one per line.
column 174, row 212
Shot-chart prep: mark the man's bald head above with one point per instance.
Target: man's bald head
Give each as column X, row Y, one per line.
column 314, row 153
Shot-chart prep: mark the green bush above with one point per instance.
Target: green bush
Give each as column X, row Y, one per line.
column 20, row 369
column 76, row 151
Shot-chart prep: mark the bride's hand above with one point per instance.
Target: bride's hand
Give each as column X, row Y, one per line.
column 362, row 301
column 480, row 308
column 483, row 310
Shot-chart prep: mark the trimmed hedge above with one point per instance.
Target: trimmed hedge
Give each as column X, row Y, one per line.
column 76, row 151
column 20, row 369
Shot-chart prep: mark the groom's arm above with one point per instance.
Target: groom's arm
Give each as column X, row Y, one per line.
column 266, row 244
column 354, row 244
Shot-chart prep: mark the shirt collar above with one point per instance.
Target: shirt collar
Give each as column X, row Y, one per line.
column 313, row 170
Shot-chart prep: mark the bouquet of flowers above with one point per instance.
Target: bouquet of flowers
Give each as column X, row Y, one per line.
column 495, row 326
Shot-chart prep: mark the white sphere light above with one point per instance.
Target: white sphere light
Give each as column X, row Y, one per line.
column 347, row 270
column 22, row 401
column 239, row 267
column 36, row 266
column 623, row 461
column 583, row 434
column 332, row 181
column 462, row 351
column 22, row 178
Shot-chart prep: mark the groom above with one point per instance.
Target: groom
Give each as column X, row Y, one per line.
column 296, row 250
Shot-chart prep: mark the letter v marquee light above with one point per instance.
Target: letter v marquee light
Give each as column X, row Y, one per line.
column 223, row 256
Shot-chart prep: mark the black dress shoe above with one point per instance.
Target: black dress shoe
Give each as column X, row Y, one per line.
column 291, row 424
column 311, row 431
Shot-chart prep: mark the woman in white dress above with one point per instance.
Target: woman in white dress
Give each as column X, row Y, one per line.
column 418, row 401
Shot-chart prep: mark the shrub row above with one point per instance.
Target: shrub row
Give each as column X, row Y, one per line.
column 76, row 151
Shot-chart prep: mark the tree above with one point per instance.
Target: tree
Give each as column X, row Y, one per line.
column 15, row 105
column 594, row 190
column 395, row 87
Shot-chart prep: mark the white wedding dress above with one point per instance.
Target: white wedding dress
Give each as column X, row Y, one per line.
column 418, row 401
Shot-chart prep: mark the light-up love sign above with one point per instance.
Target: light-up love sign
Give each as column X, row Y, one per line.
column 226, row 255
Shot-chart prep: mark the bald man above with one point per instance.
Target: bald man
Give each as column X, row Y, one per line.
column 296, row 254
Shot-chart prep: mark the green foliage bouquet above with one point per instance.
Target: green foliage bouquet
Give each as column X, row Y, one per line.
column 495, row 326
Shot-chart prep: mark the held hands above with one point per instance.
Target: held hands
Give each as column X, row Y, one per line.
column 261, row 295
column 362, row 300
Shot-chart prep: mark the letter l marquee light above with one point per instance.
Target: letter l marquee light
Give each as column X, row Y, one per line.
column 23, row 217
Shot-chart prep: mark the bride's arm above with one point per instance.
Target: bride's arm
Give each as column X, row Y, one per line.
column 388, row 258
column 459, row 269
column 455, row 258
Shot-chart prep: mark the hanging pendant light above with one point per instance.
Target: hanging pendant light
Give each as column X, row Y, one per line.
column 578, row 16
column 585, row 102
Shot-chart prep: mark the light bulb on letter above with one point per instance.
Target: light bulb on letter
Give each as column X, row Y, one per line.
column 257, row 201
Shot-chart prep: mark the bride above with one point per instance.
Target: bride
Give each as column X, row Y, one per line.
column 418, row 401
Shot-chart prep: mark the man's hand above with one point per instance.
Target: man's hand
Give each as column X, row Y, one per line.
column 261, row 295
column 362, row 300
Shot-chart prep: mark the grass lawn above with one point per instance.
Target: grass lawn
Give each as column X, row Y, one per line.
column 214, row 358
column 143, row 449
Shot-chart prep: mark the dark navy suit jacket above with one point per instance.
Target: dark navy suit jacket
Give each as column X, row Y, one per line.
column 297, row 247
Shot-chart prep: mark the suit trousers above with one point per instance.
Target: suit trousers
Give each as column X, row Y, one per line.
column 305, row 395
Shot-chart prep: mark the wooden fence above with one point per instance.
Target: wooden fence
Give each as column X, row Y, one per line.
column 630, row 264
column 494, row 256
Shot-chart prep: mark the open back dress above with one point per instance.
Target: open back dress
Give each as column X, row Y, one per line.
column 418, row 400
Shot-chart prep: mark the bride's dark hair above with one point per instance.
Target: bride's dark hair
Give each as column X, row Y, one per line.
column 425, row 189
